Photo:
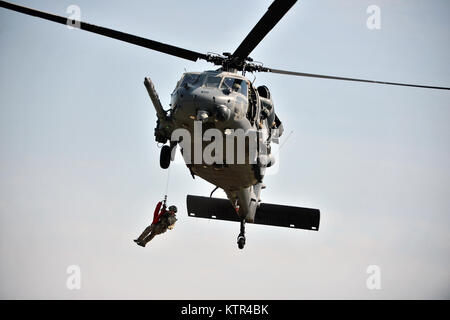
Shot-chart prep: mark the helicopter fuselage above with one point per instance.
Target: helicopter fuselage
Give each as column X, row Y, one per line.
column 215, row 105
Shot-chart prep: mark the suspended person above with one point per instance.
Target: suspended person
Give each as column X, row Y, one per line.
column 162, row 220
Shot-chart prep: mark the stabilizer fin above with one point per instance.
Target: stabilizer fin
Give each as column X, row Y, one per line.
column 266, row 214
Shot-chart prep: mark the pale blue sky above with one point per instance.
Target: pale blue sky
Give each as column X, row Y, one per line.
column 80, row 176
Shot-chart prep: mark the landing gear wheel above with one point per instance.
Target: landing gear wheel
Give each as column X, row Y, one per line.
column 164, row 158
column 241, row 242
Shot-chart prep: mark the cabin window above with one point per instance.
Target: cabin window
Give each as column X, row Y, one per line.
column 213, row 81
column 235, row 85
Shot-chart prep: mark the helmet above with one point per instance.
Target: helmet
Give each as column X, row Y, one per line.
column 173, row 208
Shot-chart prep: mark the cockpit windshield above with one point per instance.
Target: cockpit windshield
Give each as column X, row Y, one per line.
column 235, row 85
column 192, row 78
column 213, row 81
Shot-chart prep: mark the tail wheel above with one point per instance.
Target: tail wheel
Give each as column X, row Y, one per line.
column 241, row 242
column 164, row 159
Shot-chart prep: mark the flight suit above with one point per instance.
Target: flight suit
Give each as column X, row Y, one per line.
column 162, row 220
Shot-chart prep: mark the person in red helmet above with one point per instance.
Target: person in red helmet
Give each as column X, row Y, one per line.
column 162, row 220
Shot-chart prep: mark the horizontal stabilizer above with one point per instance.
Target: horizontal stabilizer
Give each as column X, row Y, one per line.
column 267, row 214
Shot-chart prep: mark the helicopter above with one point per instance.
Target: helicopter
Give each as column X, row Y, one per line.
column 211, row 110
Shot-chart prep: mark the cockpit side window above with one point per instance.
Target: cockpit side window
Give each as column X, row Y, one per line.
column 235, row 85
column 213, row 81
column 243, row 89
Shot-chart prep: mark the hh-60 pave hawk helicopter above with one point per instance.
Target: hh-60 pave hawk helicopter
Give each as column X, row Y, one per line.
column 227, row 102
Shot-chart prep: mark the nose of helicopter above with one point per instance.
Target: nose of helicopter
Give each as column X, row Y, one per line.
column 201, row 105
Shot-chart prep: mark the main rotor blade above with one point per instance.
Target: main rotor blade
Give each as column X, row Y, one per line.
column 274, row 14
column 311, row 75
column 126, row 37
